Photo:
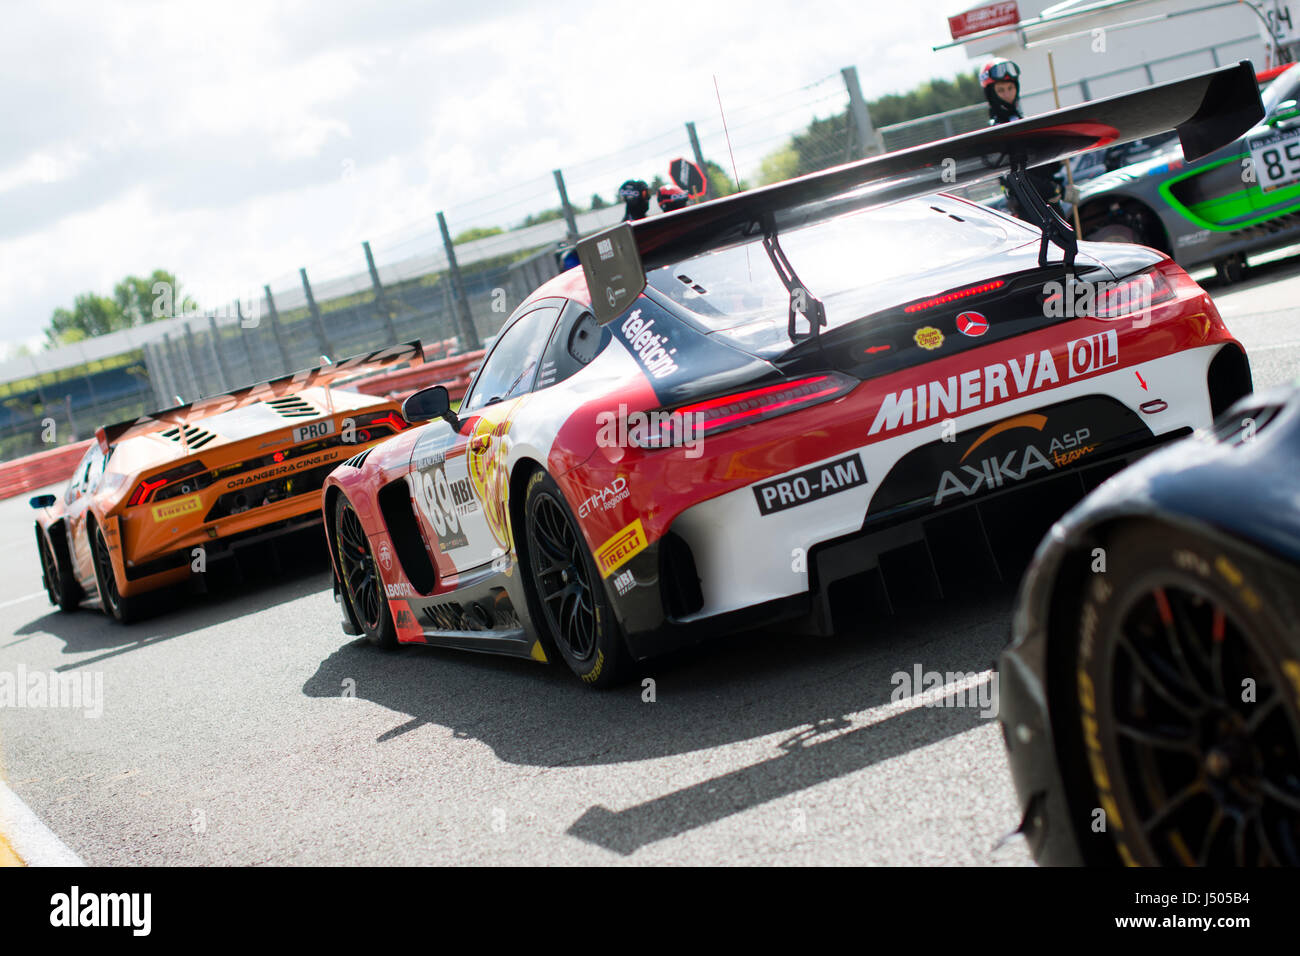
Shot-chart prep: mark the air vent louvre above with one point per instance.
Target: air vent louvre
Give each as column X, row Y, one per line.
column 294, row 406
column 195, row 437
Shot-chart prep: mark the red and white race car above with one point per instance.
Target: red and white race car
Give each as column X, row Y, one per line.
column 735, row 412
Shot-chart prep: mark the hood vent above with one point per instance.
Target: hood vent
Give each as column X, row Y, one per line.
column 294, row 406
column 195, row 437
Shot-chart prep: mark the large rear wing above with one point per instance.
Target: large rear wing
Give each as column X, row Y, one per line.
column 1209, row 111
column 376, row 361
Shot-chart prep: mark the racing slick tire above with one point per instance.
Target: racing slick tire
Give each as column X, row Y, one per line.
column 1187, row 702
column 56, row 574
column 360, row 584
column 124, row 610
column 565, row 589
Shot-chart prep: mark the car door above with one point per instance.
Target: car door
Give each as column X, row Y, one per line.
column 458, row 477
column 76, row 505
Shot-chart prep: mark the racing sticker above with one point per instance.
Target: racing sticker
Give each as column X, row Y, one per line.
column 176, row 508
column 444, row 501
column 972, row 323
column 939, row 399
column 621, row 548
column 489, row 448
column 404, row 623
column 928, row 337
column 315, row 430
column 295, row 464
column 654, row 350
column 1008, row 452
column 810, row 484
column 1276, row 158
column 603, row 499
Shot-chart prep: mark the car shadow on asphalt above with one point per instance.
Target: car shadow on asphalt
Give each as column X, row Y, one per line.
column 812, row 692
column 259, row 578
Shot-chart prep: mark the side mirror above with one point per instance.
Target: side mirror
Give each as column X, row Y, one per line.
column 428, row 404
column 42, row 501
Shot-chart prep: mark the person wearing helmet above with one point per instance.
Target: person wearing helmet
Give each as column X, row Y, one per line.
column 635, row 194
column 671, row 197
column 1000, row 80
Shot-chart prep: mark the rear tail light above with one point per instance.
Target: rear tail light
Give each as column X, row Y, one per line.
column 144, row 491
column 717, row 415
column 148, row 487
column 393, row 420
column 1112, row 300
column 1135, row 294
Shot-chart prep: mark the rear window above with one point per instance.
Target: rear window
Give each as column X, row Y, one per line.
column 845, row 262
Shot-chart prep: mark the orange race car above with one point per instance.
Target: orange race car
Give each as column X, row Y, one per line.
column 155, row 498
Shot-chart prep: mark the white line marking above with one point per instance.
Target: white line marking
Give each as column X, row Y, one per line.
column 31, row 839
column 22, row 599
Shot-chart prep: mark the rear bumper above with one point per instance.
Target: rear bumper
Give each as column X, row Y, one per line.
column 921, row 524
column 872, row 571
column 219, row 540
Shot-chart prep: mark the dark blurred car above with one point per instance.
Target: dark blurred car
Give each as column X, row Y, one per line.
column 1150, row 698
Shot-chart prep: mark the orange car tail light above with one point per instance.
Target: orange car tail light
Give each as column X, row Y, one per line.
column 144, row 491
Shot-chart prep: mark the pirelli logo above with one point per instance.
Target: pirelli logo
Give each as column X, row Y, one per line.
column 174, row 509
column 621, row 548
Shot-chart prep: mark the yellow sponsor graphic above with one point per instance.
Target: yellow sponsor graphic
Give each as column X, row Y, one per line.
column 928, row 337
column 621, row 548
column 1292, row 670
column 174, row 509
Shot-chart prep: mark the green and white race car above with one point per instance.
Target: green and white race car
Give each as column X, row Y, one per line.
column 1244, row 198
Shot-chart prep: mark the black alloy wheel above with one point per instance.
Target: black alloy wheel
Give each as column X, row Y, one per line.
column 124, row 610
column 1197, row 713
column 568, row 589
column 362, row 588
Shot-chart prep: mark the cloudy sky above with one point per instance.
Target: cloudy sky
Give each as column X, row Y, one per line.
column 234, row 142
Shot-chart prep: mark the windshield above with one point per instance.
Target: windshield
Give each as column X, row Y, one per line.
column 845, row 262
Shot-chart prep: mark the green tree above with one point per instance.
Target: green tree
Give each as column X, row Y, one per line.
column 779, row 166
column 136, row 300
column 720, row 184
column 90, row 314
column 597, row 202
column 156, row 296
column 546, row 215
column 824, row 143
column 926, row 99
column 478, row 232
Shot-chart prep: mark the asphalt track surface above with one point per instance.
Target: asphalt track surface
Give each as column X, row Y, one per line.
column 243, row 727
